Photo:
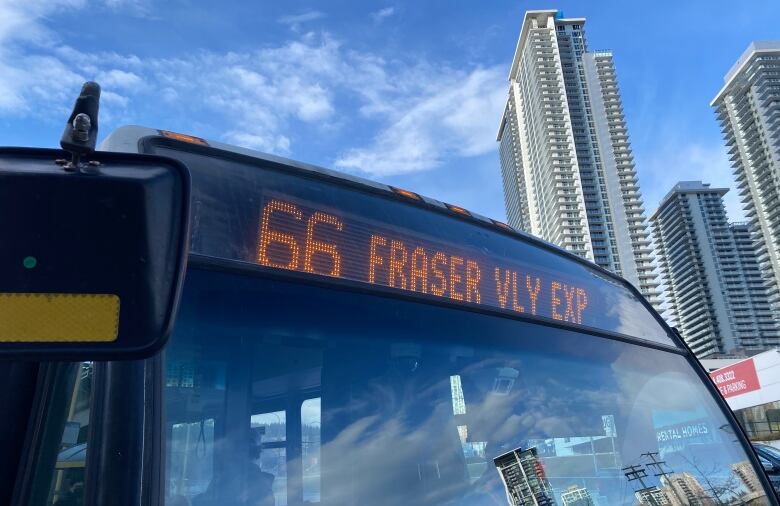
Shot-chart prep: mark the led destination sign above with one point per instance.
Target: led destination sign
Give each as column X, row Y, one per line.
column 282, row 217
column 297, row 237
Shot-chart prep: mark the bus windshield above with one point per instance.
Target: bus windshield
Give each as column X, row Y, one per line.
column 274, row 397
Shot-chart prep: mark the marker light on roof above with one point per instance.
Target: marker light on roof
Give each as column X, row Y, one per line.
column 183, row 137
column 458, row 209
column 406, row 193
column 502, row 225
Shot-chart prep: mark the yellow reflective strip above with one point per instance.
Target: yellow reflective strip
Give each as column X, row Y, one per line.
column 58, row 317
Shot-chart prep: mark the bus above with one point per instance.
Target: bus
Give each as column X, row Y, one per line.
column 345, row 342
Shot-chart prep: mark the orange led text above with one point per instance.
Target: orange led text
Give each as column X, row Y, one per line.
column 280, row 246
column 395, row 263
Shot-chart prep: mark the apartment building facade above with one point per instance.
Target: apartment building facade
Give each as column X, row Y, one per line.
column 567, row 167
column 714, row 288
column 748, row 109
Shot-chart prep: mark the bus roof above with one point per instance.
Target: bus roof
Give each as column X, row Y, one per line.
column 221, row 244
column 127, row 138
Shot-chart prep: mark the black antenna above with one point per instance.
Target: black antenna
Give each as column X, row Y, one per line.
column 635, row 472
column 80, row 135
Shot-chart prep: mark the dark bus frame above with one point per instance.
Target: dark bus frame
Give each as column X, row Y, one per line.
column 129, row 394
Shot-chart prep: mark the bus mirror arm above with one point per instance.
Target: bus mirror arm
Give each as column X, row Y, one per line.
column 80, row 134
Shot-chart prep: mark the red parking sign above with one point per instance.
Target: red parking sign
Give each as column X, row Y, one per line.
column 737, row 379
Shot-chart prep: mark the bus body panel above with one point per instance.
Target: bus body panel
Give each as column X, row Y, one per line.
column 287, row 386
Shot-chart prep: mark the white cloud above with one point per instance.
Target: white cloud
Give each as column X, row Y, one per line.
column 272, row 144
column 20, row 21
column 120, row 79
column 265, row 95
column 36, row 84
column 381, row 14
column 300, row 18
column 138, row 8
column 257, row 93
column 33, row 76
column 294, row 21
column 458, row 119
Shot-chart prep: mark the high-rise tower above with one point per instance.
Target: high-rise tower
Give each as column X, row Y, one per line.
column 566, row 162
column 748, row 108
column 714, row 289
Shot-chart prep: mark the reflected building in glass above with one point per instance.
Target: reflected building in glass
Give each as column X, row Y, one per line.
column 524, row 478
column 576, row 496
column 652, row 496
column 684, row 489
column 747, row 475
column 587, row 463
column 473, row 451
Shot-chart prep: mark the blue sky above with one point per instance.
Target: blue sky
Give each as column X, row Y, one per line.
column 409, row 93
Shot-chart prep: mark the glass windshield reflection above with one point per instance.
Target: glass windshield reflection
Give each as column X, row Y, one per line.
column 433, row 406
